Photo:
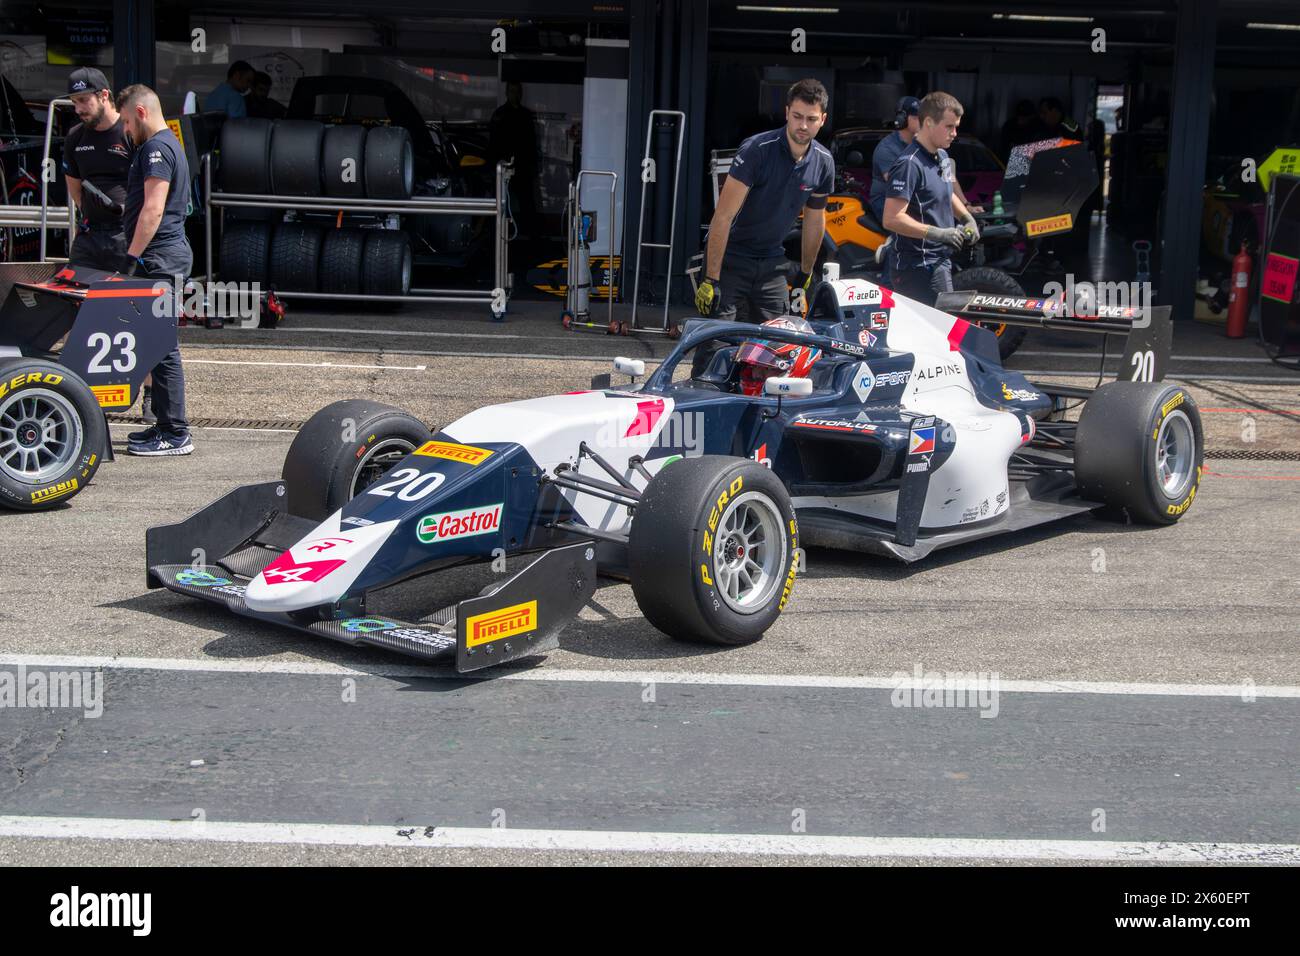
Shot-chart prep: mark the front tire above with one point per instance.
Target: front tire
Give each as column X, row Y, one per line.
column 1139, row 446
column 52, row 435
column 344, row 448
column 712, row 550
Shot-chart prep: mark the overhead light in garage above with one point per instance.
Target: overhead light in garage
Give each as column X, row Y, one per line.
column 1041, row 18
column 747, row 9
column 1273, row 26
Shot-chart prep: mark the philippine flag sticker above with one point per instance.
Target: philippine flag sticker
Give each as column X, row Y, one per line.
column 922, row 441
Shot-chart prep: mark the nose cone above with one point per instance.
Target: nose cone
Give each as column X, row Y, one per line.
column 319, row 569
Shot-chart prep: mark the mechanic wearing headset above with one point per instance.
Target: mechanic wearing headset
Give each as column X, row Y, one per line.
column 922, row 209
column 906, row 122
column 773, row 176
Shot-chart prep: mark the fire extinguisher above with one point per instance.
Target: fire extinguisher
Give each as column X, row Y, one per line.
column 1239, row 297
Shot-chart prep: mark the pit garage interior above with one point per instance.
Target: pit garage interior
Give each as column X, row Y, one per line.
column 1170, row 135
column 1127, row 654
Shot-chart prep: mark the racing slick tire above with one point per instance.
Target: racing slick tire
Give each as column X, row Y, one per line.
column 341, row 144
column 390, row 163
column 340, row 261
column 987, row 279
column 246, row 155
column 245, row 251
column 342, row 449
column 295, row 257
column 52, row 435
column 712, row 550
column 386, row 263
column 296, row 157
column 1139, row 446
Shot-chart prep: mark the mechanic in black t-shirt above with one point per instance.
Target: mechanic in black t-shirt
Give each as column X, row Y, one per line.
column 96, row 157
column 157, row 191
column 922, row 209
column 773, row 177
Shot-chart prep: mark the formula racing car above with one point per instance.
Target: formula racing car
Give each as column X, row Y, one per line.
column 877, row 424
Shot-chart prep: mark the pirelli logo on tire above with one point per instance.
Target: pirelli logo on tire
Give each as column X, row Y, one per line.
column 469, row 454
column 499, row 624
column 55, row 491
column 1049, row 225
column 1170, row 405
column 30, row 378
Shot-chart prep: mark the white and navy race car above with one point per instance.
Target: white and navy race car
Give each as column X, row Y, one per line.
column 877, row 424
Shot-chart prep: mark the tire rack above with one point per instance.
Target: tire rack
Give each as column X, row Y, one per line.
column 457, row 206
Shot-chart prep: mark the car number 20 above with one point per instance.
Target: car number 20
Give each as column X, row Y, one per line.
column 408, row 484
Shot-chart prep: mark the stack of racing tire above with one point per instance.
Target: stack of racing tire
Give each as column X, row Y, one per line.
column 315, row 251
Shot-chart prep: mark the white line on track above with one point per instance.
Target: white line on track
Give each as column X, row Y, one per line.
column 416, row 333
column 633, row 841
column 548, row 674
column 330, row 365
column 1086, row 354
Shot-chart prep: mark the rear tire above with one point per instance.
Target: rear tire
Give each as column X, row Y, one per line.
column 1139, row 446
column 340, row 261
column 987, row 279
column 390, row 163
column 386, row 269
column 295, row 257
column 245, row 251
column 295, row 157
column 323, row 471
column 52, row 435
column 712, row 550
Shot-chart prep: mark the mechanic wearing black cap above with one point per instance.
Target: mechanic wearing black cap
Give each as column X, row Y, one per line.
column 921, row 208
column 773, row 176
column 157, row 191
column 96, row 157
column 907, row 121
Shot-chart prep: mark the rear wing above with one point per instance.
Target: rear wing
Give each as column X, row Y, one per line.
column 1148, row 329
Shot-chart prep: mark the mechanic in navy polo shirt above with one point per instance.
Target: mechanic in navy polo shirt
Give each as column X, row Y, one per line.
column 907, row 121
column 157, row 194
column 773, row 176
column 922, row 209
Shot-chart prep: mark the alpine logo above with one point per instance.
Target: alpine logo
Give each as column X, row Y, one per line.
column 459, row 524
column 285, row 570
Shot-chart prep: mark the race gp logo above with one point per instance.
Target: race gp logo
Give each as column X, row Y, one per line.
column 366, row 625
column 200, row 579
column 459, row 524
column 506, row 622
column 468, row 454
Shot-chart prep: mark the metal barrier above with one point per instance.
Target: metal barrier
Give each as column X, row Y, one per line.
column 71, row 221
column 450, row 205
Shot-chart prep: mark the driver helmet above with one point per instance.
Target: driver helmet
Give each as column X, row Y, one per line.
column 758, row 359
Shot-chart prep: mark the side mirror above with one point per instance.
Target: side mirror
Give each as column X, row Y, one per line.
column 633, row 367
column 780, row 385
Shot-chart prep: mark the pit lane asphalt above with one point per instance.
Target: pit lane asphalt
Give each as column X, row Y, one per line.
column 1210, row 600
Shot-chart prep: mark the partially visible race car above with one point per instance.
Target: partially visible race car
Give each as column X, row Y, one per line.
column 880, row 425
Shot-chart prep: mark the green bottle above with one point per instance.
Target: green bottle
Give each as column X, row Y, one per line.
column 997, row 202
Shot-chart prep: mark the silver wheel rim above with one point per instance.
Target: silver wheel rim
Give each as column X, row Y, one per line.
column 40, row 435
column 381, row 456
column 749, row 553
column 1175, row 454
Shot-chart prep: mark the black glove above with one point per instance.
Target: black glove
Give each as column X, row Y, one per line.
column 953, row 236
column 706, row 296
